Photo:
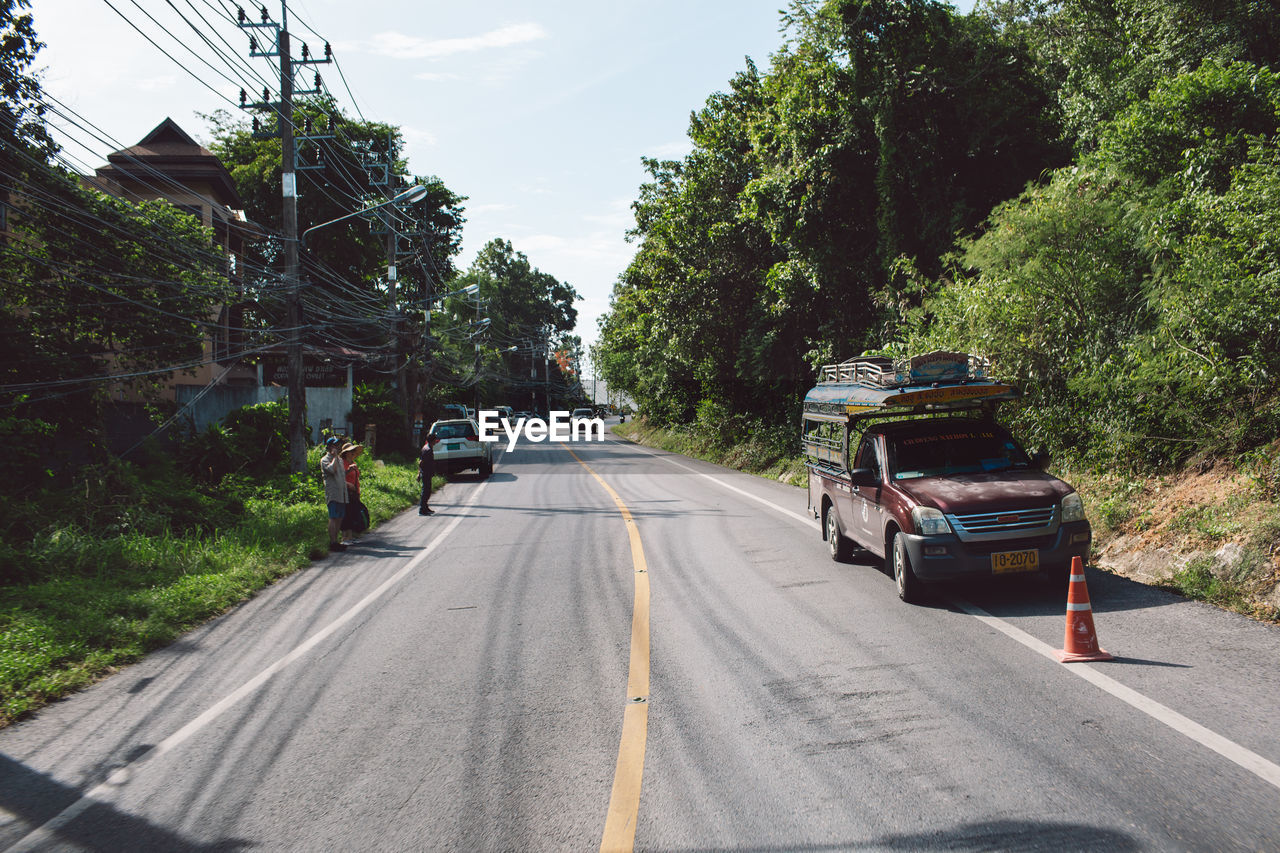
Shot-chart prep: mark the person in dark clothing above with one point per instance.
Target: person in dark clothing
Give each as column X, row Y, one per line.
column 426, row 467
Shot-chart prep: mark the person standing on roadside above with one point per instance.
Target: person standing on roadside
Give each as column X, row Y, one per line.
column 356, row 519
column 334, row 473
column 427, row 467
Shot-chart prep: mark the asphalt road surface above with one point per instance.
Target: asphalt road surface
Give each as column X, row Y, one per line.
column 606, row 646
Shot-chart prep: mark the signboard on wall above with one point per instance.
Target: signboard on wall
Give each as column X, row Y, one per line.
column 315, row 374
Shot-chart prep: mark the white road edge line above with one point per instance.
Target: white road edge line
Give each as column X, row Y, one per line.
column 44, row 834
column 1228, row 749
column 801, row 517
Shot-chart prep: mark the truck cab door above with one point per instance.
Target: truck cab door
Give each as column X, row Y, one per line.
column 866, row 518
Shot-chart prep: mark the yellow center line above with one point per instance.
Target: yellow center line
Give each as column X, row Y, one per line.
column 624, row 801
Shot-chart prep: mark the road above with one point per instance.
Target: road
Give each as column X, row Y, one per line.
column 608, row 645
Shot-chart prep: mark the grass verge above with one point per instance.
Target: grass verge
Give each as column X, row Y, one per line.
column 116, row 597
column 754, row 454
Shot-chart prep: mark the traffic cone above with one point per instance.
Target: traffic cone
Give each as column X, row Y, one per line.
column 1081, row 643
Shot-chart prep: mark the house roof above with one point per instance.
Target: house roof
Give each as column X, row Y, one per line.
column 171, row 152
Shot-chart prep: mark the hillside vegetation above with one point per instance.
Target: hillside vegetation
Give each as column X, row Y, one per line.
column 1086, row 193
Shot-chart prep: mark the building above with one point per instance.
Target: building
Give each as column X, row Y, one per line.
column 168, row 164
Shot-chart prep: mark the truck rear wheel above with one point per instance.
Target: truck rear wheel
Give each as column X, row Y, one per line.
column 910, row 589
column 841, row 549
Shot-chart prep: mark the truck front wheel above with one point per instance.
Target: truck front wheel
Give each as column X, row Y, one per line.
column 910, row 589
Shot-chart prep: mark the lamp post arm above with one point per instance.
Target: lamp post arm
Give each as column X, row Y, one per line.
column 409, row 196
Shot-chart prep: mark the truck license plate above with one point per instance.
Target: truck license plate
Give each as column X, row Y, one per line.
column 1007, row 562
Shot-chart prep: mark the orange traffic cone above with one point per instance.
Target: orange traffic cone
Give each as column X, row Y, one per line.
column 1081, row 643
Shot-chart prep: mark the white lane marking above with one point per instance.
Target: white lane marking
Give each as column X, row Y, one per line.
column 1232, row 751
column 46, row 833
column 807, row 520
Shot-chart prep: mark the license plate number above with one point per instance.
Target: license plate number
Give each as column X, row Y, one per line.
column 1008, row 562
column 453, row 445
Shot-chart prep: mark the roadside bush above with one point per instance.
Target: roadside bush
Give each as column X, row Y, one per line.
column 375, row 404
column 253, row 440
column 25, row 441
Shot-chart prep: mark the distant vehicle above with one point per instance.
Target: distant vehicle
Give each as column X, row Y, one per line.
column 460, row 447
column 454, row 410
column 938, row 497
column 587, row 416
column 505, row 413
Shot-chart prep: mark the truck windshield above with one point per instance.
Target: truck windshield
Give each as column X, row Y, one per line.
column 960, row 451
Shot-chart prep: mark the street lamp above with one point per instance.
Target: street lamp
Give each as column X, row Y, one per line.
column 410, row 196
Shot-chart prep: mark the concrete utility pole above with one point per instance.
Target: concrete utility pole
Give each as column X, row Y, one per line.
column 288, row 153
column 278, row 46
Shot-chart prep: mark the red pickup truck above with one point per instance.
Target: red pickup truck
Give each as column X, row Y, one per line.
column 907, row 461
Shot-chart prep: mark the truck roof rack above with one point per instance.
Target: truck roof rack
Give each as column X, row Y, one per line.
column 881, row 372
column 872, row 386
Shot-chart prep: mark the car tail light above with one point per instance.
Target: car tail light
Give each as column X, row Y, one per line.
column 471, row 436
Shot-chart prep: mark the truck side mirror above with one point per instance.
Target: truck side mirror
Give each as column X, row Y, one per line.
column 1040, row 460
column 863, row 477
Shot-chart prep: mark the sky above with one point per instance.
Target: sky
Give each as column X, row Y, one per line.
column 538, row 112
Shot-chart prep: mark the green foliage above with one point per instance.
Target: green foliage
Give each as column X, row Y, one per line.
column 811, row 193
column 896, row 182
column 252, row 441
column 339, row 261
column 527, row 309
column 374, row 404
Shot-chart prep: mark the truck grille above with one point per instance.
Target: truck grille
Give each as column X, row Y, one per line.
column 1012, row 524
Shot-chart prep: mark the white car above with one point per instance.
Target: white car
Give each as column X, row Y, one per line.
column 588, row 417
column 460, row 447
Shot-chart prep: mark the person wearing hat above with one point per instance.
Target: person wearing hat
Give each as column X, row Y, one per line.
column 355, row 519
column 334, row 473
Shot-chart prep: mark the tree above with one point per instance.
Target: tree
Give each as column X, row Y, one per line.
column 526, row 308
column 95, row 290
column 881, row 131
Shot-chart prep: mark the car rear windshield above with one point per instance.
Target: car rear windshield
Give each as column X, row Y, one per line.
column 452, row 430
column 959, row 451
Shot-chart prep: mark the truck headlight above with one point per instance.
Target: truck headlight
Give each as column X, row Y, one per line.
column 1072, row 508
column 929, row 520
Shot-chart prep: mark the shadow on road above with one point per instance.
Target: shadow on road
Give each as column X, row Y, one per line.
column 1005, row 835
column 33, row 799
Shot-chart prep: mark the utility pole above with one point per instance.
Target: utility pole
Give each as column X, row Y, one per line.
column 476, row 327
column 289, row 155
column 294, row 371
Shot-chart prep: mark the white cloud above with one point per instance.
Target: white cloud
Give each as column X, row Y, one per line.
column 489, row 208
column 554, row 252
column 618, row 215
column 156, row 84
column 401, row 46
column 670, row 150
column 416, row 136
